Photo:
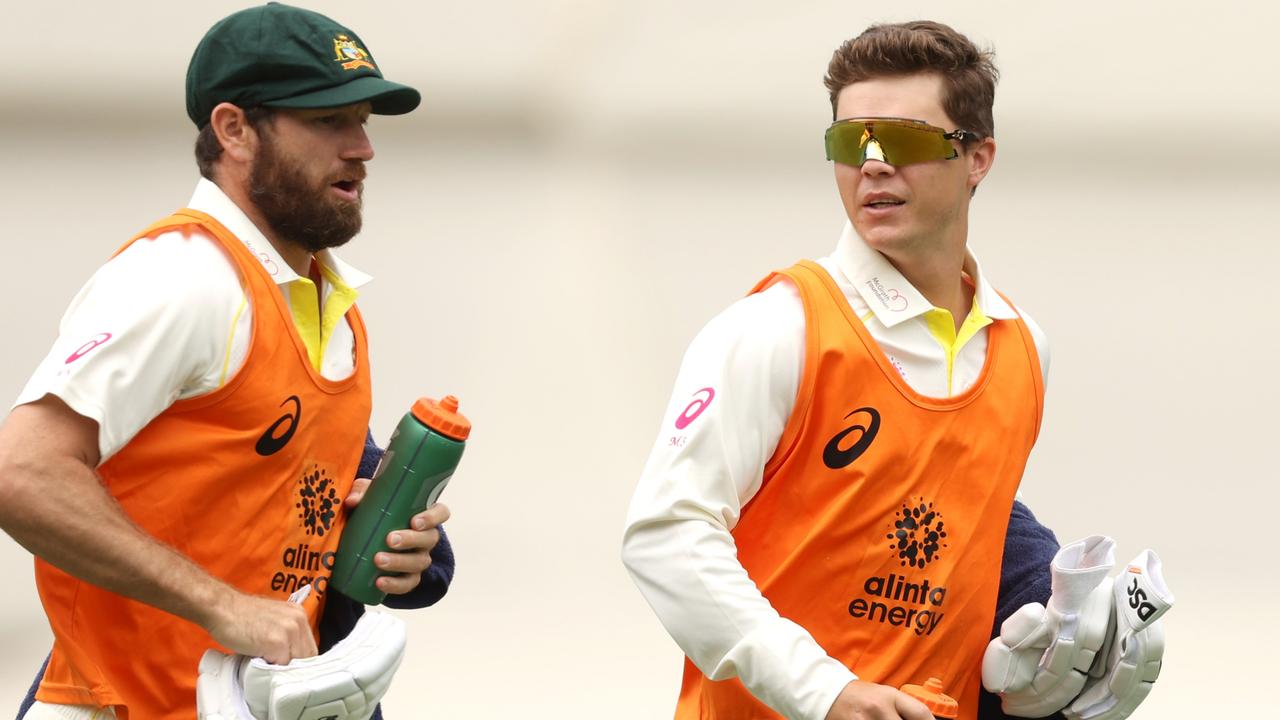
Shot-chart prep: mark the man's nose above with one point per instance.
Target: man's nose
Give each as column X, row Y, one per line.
column 357, row 145
column 872, row 168
column 873, row 160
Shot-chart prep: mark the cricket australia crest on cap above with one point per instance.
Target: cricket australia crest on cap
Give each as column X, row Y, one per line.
column 351, row 55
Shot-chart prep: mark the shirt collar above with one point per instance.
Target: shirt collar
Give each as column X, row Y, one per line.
column 211, row 200
column 891, row 297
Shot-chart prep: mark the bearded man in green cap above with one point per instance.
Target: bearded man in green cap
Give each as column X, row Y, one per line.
column 179, row 462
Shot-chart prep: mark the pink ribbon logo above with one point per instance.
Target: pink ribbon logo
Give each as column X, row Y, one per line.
column 893, row 304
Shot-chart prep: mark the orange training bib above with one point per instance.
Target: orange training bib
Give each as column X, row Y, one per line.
column 247, row 481
column 880, row 524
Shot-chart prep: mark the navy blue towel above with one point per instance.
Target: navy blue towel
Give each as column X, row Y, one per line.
column 1029, row 547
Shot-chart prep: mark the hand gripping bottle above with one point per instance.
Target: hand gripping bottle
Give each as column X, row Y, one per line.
column 421, row 457
column 943, row 706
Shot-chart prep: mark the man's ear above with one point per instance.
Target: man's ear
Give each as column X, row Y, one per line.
column 238, row 138
column 980, row 159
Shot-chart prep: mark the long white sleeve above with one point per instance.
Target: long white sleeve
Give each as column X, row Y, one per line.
column 678, row 546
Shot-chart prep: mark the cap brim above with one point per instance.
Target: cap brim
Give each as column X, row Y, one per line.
column 388, row 98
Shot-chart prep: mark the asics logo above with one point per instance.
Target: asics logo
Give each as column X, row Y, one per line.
column 271, row 443
column 836, row 457
column 701, row 400
column 88, row 347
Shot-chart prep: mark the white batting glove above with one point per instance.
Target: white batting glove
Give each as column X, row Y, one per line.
column 1133, row 663
column 344, row 683
column 219, row 695
column 1041, row 659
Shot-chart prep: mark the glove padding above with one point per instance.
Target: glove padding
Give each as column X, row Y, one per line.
column 219, row 695
column 345, row 683
column 1127, row 672
column 1041, row 659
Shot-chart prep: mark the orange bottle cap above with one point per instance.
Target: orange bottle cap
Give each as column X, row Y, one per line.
column 443, row 417
column 941, row 705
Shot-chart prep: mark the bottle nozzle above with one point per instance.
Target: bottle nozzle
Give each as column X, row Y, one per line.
column 938, row 702
column 443, row 417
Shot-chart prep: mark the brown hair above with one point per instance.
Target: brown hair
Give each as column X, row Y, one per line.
column 968, row 74
column 208, row 149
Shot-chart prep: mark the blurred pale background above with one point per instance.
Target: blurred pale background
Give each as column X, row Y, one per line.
column 587, row 182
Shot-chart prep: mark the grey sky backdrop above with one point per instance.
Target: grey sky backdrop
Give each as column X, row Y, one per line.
column 587, row 182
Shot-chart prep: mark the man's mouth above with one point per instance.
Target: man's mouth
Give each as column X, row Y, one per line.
column 881, row 201
column 348, row 189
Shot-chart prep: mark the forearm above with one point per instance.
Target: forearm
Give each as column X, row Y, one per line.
column 688, row 572
column 55, row 506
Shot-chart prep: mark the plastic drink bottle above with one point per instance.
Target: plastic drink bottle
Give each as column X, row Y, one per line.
column 421, row 457
column 943, row 707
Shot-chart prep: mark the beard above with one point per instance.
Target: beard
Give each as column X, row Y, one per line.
column 297, row 210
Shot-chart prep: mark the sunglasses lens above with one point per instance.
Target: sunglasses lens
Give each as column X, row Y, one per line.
column 905, row 145
column 900, row 143
column 846, row 143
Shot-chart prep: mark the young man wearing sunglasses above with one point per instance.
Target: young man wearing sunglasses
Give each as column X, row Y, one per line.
column 833, row 480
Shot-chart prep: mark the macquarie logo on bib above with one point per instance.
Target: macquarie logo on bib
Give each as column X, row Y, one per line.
column 917, row 536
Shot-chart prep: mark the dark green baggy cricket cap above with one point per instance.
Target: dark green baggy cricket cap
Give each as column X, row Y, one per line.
column 282, row 56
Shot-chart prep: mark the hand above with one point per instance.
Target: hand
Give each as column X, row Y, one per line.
column 412, row 546
column 273, row 630
column 862, row 700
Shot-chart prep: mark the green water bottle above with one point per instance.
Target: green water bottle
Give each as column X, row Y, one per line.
column 421, row 457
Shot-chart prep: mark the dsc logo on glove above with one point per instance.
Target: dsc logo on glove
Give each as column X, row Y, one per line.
column 1138, row 601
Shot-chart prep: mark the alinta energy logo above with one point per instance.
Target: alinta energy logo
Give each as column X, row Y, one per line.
column 318, row 501
column 301, row 564
column 916, row 535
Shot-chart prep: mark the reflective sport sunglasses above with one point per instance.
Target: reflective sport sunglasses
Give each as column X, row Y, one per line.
column 897, row 141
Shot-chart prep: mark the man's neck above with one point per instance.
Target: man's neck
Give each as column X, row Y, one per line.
column 295, row 256
column 938, row 275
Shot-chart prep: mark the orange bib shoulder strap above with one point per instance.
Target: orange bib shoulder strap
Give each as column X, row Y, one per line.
column 1033, row 357
column 807, row 276
column 246, row 265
